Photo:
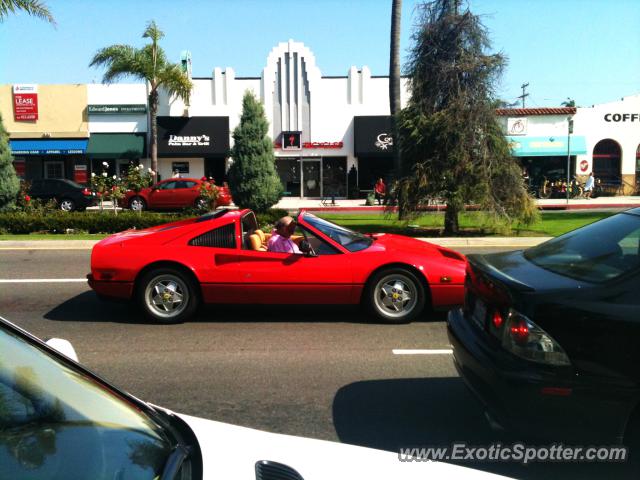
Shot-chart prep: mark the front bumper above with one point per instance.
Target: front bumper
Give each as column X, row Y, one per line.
column 109, row 289
column 511, row 391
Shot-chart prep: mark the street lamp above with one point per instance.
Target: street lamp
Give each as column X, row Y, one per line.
column 569, row 132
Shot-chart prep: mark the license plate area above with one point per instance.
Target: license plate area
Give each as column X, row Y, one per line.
column 479, row 314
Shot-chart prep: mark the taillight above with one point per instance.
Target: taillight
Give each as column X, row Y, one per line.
column 527, row 340
column 519, row 330
column 86, row 192
column 497, row 319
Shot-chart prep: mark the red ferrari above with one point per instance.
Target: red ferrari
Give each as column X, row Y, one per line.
column 173, row 193
column 221, row 257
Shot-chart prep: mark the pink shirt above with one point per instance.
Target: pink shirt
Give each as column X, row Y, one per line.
column 278, row 243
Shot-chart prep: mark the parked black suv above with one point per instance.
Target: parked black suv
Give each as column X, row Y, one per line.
column 68, row 194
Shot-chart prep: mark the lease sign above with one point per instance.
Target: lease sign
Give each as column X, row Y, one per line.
column 25, row 102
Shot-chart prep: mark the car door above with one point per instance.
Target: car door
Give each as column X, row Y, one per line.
column 163, row 196
column 186, row 192
column 296, row 278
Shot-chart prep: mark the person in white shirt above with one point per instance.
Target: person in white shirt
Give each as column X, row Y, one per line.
column 588, row 188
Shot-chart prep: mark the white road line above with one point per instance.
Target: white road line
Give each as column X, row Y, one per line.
column 442, row 351
column 42, row 280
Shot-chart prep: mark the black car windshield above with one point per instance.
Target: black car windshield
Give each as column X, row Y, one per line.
column 58, row 422
column 596, row 253
column 352, row 241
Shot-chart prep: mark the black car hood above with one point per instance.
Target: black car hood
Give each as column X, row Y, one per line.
column 513, row 270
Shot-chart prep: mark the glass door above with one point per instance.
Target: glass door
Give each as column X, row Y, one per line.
column 311, row 178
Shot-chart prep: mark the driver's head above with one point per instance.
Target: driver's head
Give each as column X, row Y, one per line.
column 285, row 226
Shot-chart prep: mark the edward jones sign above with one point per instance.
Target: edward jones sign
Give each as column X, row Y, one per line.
column 25, row 102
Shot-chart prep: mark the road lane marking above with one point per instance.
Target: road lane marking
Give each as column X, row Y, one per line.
column 42, row 280
column 441, row 351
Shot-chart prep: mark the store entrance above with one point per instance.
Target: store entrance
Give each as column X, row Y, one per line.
column 215, row 168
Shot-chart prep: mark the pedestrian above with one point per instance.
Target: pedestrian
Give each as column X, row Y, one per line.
column 380, row 190
column 176, row 174
column 588, row 187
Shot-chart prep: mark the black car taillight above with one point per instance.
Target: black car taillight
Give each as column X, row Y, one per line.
column 527, row 340
column 86, row 192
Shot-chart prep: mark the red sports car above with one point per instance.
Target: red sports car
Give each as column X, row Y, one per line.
column 221, row 257
column 173, row 193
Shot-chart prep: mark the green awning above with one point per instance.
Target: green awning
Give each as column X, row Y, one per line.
column 525, row 146
column 116, row 145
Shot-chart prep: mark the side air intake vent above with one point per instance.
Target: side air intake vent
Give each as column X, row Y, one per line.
column 221, row 237
column 268, row 470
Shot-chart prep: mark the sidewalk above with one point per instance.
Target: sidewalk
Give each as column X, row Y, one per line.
column 342, row 206
column 451, row 242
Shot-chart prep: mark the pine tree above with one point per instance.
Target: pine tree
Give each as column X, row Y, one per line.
column 453, row 146
column 253, row 180
column 9, row 183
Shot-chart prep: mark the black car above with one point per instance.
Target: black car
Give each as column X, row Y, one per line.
column 549, row 337
column 69, row 195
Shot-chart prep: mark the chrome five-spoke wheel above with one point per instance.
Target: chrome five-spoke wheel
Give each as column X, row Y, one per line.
column 168, row 295
column 396, row 296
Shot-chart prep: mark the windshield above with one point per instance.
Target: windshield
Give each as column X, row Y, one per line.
column 596, row 253
column 352, row 241
column 57, row 422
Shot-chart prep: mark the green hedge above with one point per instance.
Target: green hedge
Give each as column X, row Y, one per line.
column 99, row 222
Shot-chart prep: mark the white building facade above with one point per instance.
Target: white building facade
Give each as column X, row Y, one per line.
column 322, row 127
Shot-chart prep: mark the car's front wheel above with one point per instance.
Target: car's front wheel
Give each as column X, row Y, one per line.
column 167, row 295
column 137, row 204
column 395, row 295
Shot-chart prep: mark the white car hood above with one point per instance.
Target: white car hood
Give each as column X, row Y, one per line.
column 231, row 452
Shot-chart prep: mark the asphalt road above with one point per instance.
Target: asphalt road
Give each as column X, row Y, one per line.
column 321, row 372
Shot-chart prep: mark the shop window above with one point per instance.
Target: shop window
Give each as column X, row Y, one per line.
column 289, row 171
column 54, row 169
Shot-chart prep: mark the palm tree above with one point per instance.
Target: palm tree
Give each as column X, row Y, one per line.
column 150, row 64
column 394, row 86
column 32, row 7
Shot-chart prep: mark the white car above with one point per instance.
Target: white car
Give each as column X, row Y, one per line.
column 60, row 421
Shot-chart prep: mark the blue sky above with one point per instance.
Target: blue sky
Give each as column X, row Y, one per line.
column 588, row 50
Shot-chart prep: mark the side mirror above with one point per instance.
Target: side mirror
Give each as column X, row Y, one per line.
column 64, row 347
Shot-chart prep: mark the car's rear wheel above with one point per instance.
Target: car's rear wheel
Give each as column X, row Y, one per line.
column 395, row 295
column 167, row 295
column 67, row 205
column 138, row 204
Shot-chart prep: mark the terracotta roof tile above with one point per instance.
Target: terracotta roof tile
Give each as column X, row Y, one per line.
column 524, row 112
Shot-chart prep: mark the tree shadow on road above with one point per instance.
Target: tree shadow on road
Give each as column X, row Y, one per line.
column 87, row 307
column 398, row 413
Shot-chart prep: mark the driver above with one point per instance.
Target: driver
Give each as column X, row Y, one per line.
column 280, row 240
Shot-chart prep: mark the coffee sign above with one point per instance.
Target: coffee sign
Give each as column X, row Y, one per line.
column 25, row 102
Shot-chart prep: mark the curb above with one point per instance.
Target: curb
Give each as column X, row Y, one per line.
column 450, row 242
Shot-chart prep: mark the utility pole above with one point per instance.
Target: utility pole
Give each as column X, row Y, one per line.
column 524, row 95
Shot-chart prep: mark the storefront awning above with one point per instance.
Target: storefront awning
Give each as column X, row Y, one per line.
column 116, row 145
column 372, row 136
column 48, row 147
column 525, row 146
